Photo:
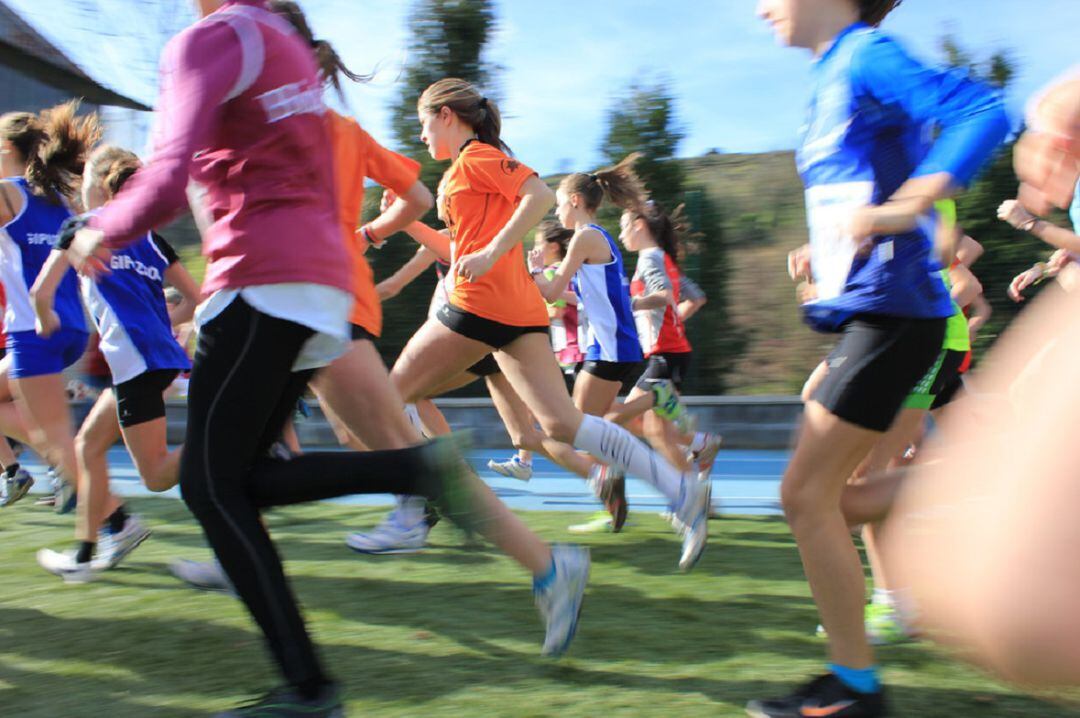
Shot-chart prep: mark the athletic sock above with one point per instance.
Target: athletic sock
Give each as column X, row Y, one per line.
column 860, row 680
column 84, row 552
column 411, row 510
column 10, row 471
column 521, row 461
column 117, row 519
column 542, row 581
column 613, row 444
column 698, row 442
column 414, row 418
column 882, row 597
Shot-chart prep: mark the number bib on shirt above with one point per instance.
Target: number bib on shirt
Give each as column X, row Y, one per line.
column 829, row 208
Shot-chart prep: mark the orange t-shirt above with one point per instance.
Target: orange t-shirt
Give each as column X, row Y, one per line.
column 357, row 156
column 479, row 195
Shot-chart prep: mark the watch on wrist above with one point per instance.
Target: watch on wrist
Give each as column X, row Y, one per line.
column 370, row 237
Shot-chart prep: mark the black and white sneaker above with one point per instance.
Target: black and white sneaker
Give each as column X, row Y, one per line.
column 825, row 697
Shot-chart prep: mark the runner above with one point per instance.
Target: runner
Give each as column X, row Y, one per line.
column 128, row 307
column 15, row 481
column 41, row 157
column 871, row 261
column 241, row 89
column 490, row 201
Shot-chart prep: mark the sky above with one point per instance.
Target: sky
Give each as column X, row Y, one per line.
column 565, row 62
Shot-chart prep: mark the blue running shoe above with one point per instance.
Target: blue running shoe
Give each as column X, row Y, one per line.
column 561, row 600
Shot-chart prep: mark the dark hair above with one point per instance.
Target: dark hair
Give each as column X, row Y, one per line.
column 872, row 12
column 330, row 63
column 668, row 230
column 620, row 184
column 554, row 233
column 465, row 101
column 53, row 144
column 112, row 166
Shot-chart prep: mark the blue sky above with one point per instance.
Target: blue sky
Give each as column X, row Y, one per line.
column 565, row 60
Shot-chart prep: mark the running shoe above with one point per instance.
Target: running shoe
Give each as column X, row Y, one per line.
column 203, row 575
column 560, row 601
column 599, row 523
column 65, row 499
column 54, row 482
column 514, row 468
column 885, row 626
column 286, row 702
column 390, row 537
column 705, row 457
column 16, row 487
column 692, row 511
column 64, row 565
column 113, row 548
column 609, row 485
column 667, row 405
column 823, row 696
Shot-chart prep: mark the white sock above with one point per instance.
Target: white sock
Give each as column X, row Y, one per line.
column 882, row 597
column 414, row 419
column 613, row 444
column 523, row 462
column 410, row 510
column 698, row 442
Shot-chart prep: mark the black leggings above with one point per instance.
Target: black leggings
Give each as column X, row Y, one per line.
column 242, row 391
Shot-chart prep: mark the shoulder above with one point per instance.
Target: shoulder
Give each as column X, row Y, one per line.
column 207, row 42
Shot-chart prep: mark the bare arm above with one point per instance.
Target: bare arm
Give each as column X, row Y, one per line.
column 969, row 251
column 406, row 274
column 965, row 285
column 585, row 245
column 43, row 293
column 690, row 307
column 435, row 240
column 536, row 199
column 406, row 209
column 178, row 276
column 980, row 315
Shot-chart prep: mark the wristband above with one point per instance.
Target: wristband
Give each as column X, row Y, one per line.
column 370, row 237
column 1029, row 224
column 535, row 272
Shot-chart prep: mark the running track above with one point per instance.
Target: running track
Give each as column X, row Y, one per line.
column 744, row 482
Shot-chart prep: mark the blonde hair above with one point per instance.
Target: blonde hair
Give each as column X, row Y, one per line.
column 54, row 145
column 620, row 184
column 471, row 107
column 112, row 166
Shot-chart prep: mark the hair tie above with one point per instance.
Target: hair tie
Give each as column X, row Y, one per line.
column 483, row 103
column 593, row 177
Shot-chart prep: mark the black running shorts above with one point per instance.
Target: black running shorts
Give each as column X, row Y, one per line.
column 669, row 366
column 142, row 399
column 494, row 334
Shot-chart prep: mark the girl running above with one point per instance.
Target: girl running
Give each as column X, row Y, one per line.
column 870, row 174
column 490, row 201
column 128, row 307
column 41, row 157
column 242, row 90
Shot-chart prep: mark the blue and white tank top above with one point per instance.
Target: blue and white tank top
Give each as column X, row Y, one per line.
column 128, row 307
column 604, row 294
column 25, row 244
column 871, row 126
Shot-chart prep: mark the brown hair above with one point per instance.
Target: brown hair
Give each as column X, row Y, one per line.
column 330, row 63
column 465, row 101
column 668, row 230
column 872, row 12
column 53, row 144
column 620, row 184
column 112, row 166
column 552, row 232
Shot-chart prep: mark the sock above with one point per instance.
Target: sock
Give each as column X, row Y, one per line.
column 414, row 419
column 860, row 680
column 698, row 442
column 411, row 510
column 882, row 597
column 117, row 519
column 84, row 552
column 523, row 462
column 542, row 581
column 613, row 444
column 9, row 471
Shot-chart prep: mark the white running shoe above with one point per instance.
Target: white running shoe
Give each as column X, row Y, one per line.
column 203, row 575
column 390, row 537
column 64, row 565
column 692, row 511
column 513, row 468
column 705, row 457
column 560, row 601
column 113, row 548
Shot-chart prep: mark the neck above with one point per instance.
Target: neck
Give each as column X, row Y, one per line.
column 457, row 144
column 829, row 27
column 584, row 220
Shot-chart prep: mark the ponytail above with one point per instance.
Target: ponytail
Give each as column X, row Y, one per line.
column 111, row 167
column 330, row 64
column 620, row 184
column 667, row 230
column 478, row 112
column 54, row 145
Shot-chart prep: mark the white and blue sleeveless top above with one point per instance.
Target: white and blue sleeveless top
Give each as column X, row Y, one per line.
column 128, row 307
column 25, row 244
column 604, row 293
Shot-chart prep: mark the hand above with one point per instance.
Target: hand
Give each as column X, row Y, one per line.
column 388, row 198
column 1058, row 261
column 536, row 259
column 798, row 263
column 893, row 217
column 473, row 266
column 387, row 289
column 47, row 322
column 1024, row 280
column 88, row 254
column 1013, row 212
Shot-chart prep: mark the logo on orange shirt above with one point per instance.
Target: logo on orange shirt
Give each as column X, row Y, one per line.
column 510, row 166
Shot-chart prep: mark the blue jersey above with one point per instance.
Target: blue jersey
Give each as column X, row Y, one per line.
column 870, row 127
column 128, row 307
column 25, row 244
column 1074, row 210
column 604, row 295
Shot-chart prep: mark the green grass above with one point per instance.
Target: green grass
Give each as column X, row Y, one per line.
column 449, row 632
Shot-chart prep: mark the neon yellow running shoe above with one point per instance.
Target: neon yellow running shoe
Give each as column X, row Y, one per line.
column 599, row 523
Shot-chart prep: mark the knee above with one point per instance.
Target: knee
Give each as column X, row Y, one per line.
column 799, row 503
column 529, row 440
column 560, row 429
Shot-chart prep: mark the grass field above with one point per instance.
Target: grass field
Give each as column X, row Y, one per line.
column 448, row 632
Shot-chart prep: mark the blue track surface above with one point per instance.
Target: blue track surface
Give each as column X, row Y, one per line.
column 744, row 482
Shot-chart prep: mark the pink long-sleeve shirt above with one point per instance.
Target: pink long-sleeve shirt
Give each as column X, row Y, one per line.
column 241, row 113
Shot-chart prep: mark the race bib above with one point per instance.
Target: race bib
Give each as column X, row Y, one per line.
column 829, row 209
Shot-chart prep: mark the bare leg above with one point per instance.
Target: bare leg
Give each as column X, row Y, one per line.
column 98, row 433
